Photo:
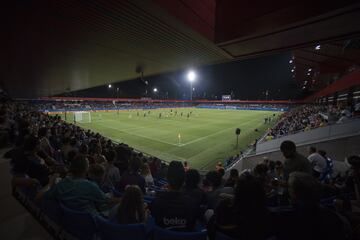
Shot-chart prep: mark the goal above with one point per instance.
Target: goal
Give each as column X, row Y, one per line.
column 82, row 117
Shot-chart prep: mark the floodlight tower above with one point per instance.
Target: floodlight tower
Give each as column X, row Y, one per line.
column 191, row 76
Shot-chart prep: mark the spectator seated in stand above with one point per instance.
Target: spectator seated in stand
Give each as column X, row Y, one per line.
column 173, row 209
column 43, row 135
column 112, row 173
column 234, row 176
column 132, row 176
column 343, row 119
column 307, row 220
column 97, row 155
column 191, row 187
column 244, row 216
column 215, row 191
column 302, row 118
column 240, row 214
column 318, row 163
column 146, row 174
column 131, row 209
column 186, row 166
column 96, row 174
column 78, row 193
column 27, row 163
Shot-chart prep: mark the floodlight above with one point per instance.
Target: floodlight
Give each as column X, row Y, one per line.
column 109, row 86
column 191, row 76
column 291, row 61
column 155, row 90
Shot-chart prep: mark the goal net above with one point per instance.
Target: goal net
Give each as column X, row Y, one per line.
column 82, row 117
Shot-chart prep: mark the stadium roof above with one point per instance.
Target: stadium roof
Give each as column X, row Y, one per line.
column 57, row 46
column 318, row 66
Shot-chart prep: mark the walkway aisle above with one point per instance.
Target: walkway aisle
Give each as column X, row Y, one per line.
column 15, row 222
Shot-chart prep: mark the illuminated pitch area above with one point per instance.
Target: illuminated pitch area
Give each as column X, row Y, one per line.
column 202, row 139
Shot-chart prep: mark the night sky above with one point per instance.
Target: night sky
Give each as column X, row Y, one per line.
column 245, row 80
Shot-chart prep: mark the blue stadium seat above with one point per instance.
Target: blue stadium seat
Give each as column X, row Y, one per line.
column 51, row 215
column 221, row 236
column 160, row 182
column 80, row 225
column 148, row 199
column 27, row 197
column 112, row 231
column 164, row 234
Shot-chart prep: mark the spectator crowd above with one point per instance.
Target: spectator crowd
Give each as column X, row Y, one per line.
column 295, row 198
column 306, row 117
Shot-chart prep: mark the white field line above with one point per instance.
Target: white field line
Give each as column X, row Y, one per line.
column 142, row 136
column 210, row 135
column 177, row 144
column 204, row 137
column 136, row 128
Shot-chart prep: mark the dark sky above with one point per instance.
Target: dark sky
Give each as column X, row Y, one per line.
column 246, row 79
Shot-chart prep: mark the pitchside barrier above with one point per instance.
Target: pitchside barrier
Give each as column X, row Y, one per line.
column 60, row 111
column 334, row 131
column 283, row 109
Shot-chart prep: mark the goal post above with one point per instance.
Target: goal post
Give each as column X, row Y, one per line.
column 82, row 117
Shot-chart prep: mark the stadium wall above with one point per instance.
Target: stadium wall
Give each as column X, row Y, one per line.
column 167, row 107
column 312, row 136
column 337, row 149
column 53, row 111
column 149, row 100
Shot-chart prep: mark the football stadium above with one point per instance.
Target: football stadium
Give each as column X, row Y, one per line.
column 200, row 136
column 180, row 120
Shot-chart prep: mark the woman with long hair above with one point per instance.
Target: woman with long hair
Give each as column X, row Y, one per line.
column 146, row 173
column 131, row 209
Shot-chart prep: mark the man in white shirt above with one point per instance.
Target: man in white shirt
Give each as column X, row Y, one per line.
column 317, row 161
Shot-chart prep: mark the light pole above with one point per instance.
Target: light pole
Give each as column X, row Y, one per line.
column 191, row 76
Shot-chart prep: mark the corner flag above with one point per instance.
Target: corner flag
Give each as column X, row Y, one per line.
column 179, row 138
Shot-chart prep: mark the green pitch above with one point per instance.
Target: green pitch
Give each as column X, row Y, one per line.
column 206, row 137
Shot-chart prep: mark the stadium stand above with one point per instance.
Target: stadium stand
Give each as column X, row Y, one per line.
column 59, row 173
column 308, row 117
column 102, row 139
